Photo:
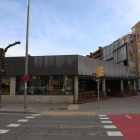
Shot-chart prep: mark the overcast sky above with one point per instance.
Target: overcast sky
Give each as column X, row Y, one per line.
column 65, row 27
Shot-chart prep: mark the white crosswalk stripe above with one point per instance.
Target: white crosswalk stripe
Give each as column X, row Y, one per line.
column 22, row 120
column 104, row 118
column 13, row 125
column 29, row 117
column 114, row 133
column 106, row 121
column 2, row 131
column 110, row 126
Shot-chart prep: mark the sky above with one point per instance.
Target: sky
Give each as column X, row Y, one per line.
column 65, row 27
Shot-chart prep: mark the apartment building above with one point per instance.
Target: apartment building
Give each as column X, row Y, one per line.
column 136, row 32
column 133, row 38
column 97, row 54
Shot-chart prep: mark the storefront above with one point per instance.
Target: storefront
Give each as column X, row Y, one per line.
column 55, row 79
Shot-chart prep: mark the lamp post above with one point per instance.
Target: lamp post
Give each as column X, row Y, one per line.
column 26, row 54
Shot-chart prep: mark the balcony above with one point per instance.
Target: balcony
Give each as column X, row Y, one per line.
column 131, row 38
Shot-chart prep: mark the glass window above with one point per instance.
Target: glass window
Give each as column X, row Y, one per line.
column 139, row 57
column 138, row 36
column 138, row 28
column 139, row 43
column 55, row 77
column 63, row 86
column 139, row 50
column 46, row 85
column 127, row 39
column 5, row 86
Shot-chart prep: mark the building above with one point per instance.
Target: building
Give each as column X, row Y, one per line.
column 97, row 54
column 136, row 32
column 60, row 79
column 133, row 38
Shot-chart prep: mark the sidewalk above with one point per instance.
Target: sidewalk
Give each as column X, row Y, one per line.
column 114, row 105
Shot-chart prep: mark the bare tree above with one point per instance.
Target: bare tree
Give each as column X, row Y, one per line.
column 3, row 64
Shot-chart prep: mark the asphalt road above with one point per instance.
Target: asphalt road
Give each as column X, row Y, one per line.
column 128, row 124
column 44, row 127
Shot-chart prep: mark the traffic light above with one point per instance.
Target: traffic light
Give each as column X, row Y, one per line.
column 100, row 71
column 94, row 76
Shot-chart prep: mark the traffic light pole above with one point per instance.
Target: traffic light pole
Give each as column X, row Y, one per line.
column 98, row 94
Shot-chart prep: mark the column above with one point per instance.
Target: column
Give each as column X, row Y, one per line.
column 121, row 84
column 134, row 85
column 103, row 84
column 12, row 85
column 75, row 97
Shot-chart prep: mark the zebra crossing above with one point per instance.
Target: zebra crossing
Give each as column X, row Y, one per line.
column 54, row 127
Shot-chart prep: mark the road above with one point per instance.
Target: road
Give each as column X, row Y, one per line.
column 128, row 124
column 47, row 127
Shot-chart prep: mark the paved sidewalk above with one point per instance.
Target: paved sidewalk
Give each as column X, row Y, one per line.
column 114, row 105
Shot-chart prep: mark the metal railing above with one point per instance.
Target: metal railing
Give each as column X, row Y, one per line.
column 91, row 94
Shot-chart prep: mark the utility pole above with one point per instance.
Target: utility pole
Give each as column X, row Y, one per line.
column 100, row 73
column 26, row 53
column 98, row 94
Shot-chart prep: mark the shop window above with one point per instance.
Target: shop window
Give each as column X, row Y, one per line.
column 55, row 77
column 46, row 85
column 5, row 86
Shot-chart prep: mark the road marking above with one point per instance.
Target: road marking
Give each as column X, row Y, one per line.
column 76, row 126
column 67, row 113
column 128, row 116
column 104, row 118
column 110, row 126
column 114, row 133
column 13, row 125
column 106, row 121
column 73, row 107
column 36, row 114
column 101, row 115
column 3, row 131
column 22, row 120
column 29, row 117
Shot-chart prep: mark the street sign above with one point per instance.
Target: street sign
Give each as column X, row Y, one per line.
column 26, row 77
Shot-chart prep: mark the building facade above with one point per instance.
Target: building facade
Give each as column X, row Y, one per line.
column 133, row 38
column 136, row 32
column 58, row 79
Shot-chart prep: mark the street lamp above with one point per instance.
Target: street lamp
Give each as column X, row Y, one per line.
column 26, row 53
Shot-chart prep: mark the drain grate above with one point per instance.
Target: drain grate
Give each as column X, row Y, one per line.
column 62, row 108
